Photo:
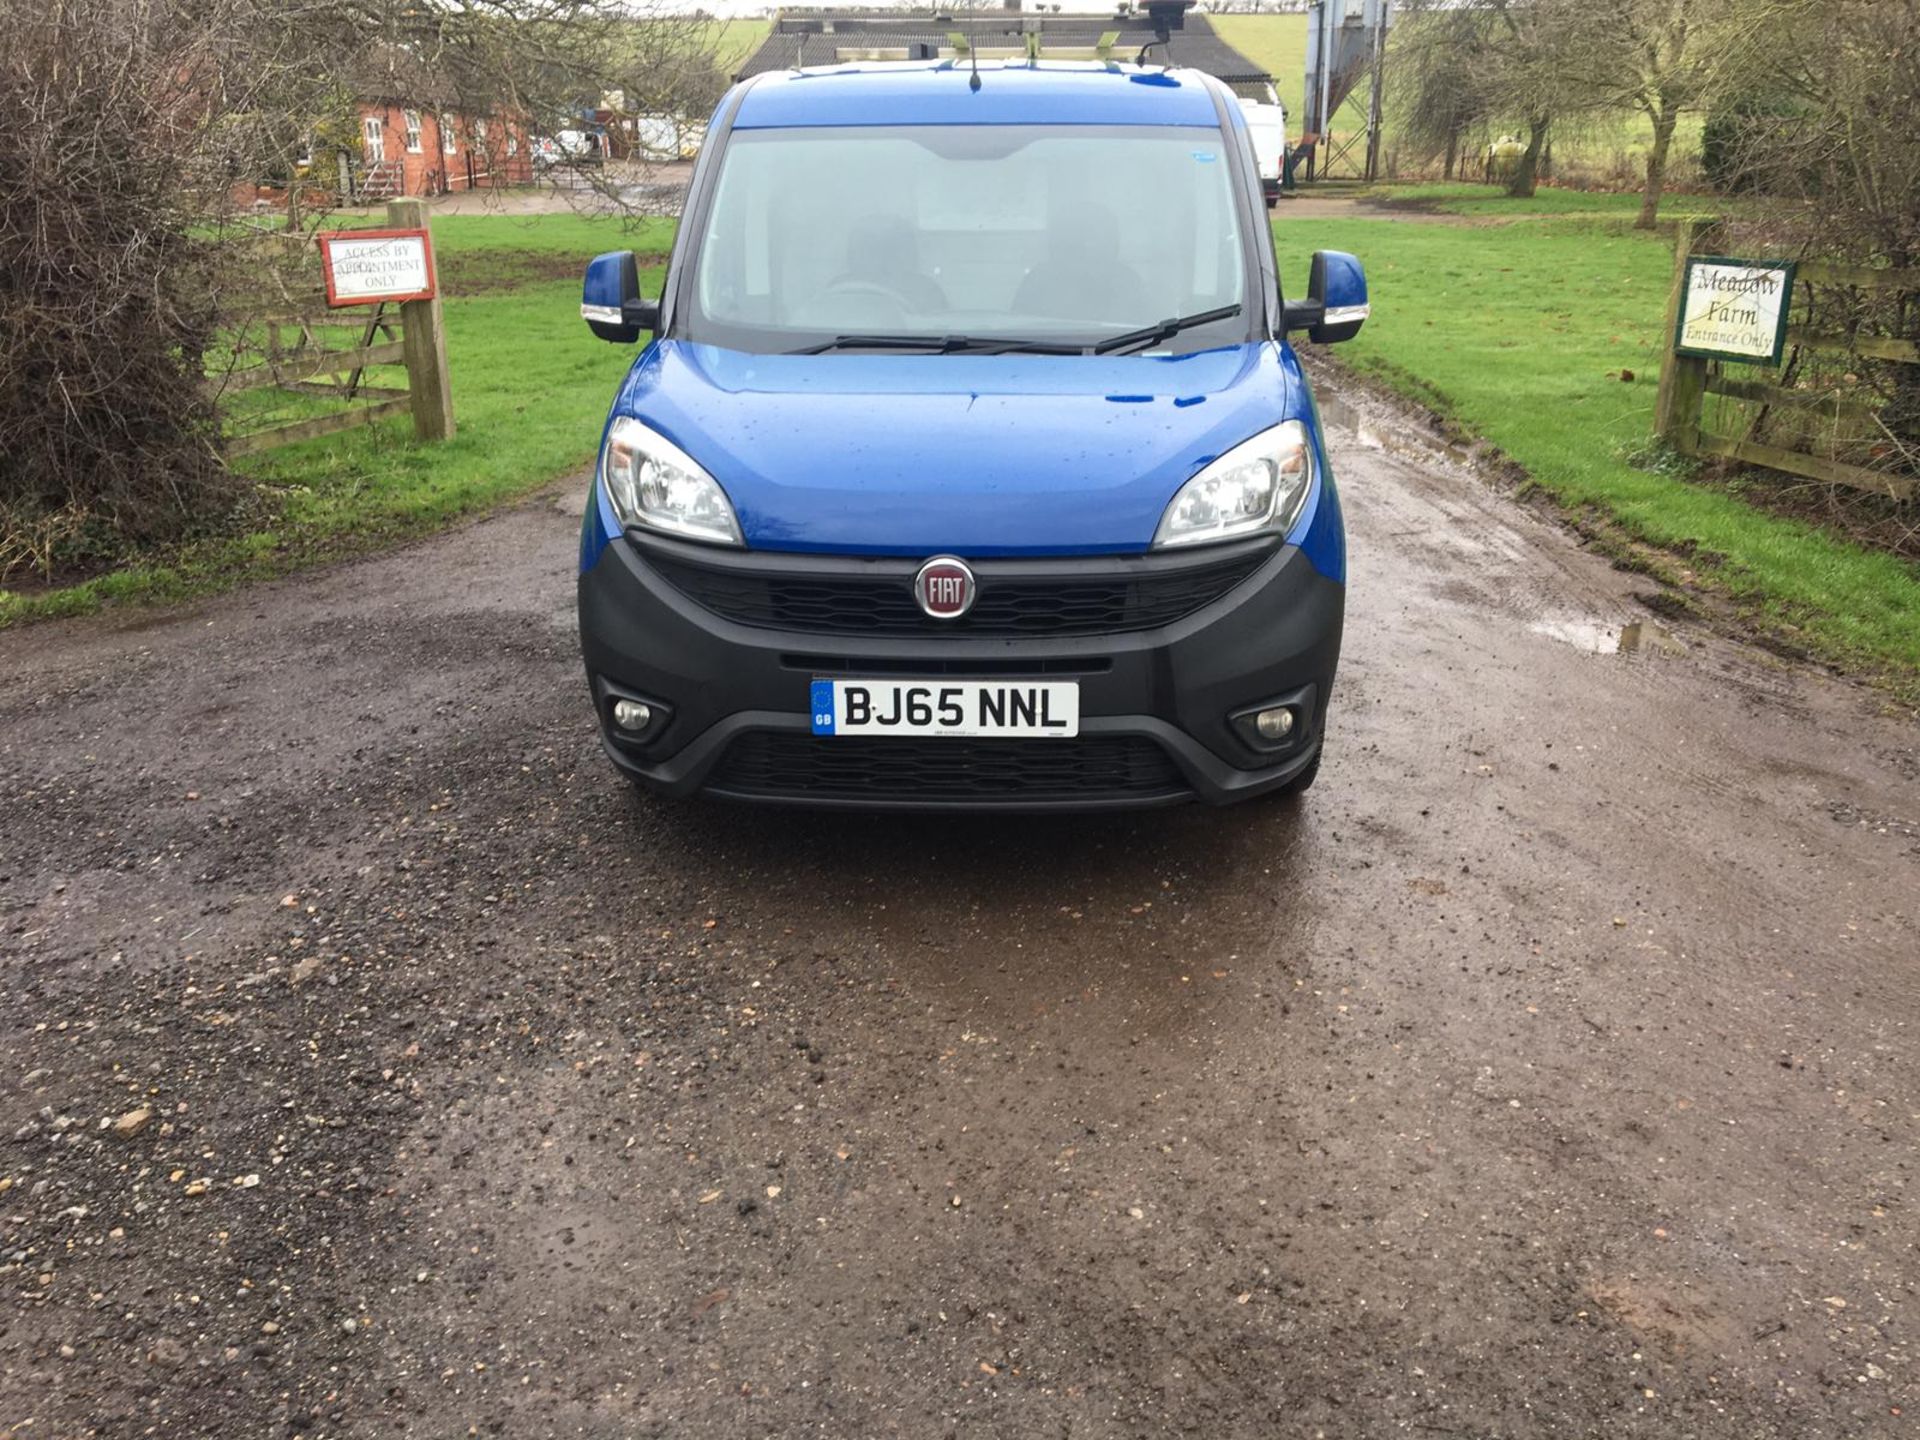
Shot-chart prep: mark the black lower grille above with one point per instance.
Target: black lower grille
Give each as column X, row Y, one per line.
column 1015, row 597
column 775, row 765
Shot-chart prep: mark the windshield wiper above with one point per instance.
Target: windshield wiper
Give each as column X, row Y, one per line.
column 1001, row 345
column 1153, row 334
column 940, row 345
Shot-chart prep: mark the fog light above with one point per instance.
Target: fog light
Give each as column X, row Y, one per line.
column 1274, row 724
column 632, row 715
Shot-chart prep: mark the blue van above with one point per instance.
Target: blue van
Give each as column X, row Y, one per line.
column 968, row 465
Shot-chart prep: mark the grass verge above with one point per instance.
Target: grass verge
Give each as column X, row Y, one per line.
column 530, row 388
column 1526, row 335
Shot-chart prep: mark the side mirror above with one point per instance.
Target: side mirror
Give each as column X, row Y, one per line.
column 1336, row 304
column 610, row 300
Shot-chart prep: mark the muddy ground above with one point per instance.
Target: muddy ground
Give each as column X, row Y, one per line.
column 1550, row 1071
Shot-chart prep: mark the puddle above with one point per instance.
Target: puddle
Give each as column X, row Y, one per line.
column 1338, row 412
column 1393, row 436
column 1597, row 638
column 1585, row 633
column 1646, row 635
column 1588, row 635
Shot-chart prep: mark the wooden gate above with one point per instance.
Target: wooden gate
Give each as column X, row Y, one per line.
column 307, row 351
column 1816, row 413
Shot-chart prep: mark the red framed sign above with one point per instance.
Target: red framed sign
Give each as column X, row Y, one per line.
column 365, row 267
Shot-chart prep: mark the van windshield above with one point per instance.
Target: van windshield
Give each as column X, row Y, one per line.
column 950, row 236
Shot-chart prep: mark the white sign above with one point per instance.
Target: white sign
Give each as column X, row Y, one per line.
column 946, row 707
column 1735, row 309
column 366, row 266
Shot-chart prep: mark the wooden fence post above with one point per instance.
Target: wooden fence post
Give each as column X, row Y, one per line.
column 425, row 342
column 1683, row 378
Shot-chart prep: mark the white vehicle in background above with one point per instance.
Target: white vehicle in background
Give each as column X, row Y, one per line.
column 567, row 147
column 1267, row 127
column 668, row 137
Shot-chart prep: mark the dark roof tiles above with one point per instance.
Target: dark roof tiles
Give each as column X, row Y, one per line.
column 803, row 39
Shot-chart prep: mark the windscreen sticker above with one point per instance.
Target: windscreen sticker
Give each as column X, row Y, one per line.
column 1205, row 157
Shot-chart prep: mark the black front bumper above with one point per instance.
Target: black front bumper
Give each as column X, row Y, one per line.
column 731, row 694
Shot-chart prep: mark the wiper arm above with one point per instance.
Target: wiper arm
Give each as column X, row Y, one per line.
column 1001, row 345
column 940, row 345
column 1165, row 330
column 933, row 344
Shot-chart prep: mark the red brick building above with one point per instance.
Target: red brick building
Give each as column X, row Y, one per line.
column 409, row 147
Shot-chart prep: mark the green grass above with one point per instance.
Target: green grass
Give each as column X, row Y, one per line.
column 561, row 234
column 1493, row 202
column 1520, row 333
column 1278, row 45
column 530, row 388
column 738, row 39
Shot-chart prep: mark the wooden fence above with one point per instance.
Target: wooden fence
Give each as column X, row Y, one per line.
column 296, row 356
column 1754, row 396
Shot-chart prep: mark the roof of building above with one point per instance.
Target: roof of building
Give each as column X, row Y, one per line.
column 1010, row 93
column 396, row 73
column 808, row 38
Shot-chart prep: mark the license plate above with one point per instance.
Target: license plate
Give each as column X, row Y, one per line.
column 946, row 707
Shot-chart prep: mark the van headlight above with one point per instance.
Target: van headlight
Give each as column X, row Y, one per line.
column 1257, row 486
column 656, row 485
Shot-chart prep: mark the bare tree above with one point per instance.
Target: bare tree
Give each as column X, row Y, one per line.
column 1536, row 64
column 1438, row 87
column 1837, row 165
column 130, row 133
column 1838, row 150
column 1667, row 58
column 1505, row 61
column 106, row 302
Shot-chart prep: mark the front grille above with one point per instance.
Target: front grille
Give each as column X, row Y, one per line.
column 1015, row 597
column 921, row 666
column 775, row 765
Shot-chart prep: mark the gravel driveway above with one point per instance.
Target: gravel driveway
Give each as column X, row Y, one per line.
column 373, row 1062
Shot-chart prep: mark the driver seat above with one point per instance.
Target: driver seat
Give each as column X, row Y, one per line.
column 883, row 250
